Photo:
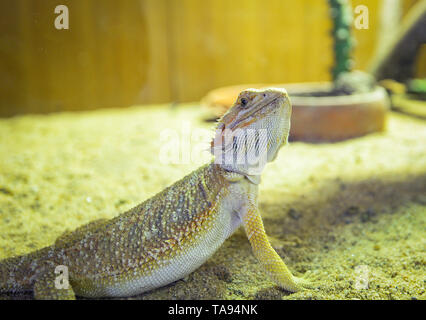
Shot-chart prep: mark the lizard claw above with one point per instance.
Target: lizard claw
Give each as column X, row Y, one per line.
column 305, row 282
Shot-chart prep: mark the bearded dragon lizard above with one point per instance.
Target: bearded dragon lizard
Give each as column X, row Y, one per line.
column 173, row 233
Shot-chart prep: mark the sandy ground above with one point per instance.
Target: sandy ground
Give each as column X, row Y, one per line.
column 351, row 214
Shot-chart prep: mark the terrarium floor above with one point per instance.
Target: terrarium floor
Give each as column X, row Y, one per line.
column 341, row 211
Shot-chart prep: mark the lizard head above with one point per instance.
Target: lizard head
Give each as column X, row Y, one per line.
column 253, row 130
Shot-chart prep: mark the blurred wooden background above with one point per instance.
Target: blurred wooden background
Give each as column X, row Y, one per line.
column 119, row 53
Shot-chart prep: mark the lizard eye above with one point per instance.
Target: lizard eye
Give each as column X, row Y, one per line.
column 244, row 102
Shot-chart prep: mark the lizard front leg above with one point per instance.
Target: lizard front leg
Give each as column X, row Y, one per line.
column 267, row 256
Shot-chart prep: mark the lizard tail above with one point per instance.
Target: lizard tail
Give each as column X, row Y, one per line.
column 17, row 274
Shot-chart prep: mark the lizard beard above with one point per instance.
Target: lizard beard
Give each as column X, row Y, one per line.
column 247, row 150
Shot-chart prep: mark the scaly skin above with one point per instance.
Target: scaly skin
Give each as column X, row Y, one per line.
column 171, row 234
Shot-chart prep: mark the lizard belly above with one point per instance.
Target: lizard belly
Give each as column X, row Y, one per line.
column 186, row 262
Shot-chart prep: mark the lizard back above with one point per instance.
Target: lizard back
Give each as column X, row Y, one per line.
column 146, row 238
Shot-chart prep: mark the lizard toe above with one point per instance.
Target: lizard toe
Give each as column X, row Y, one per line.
column 306, row 282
